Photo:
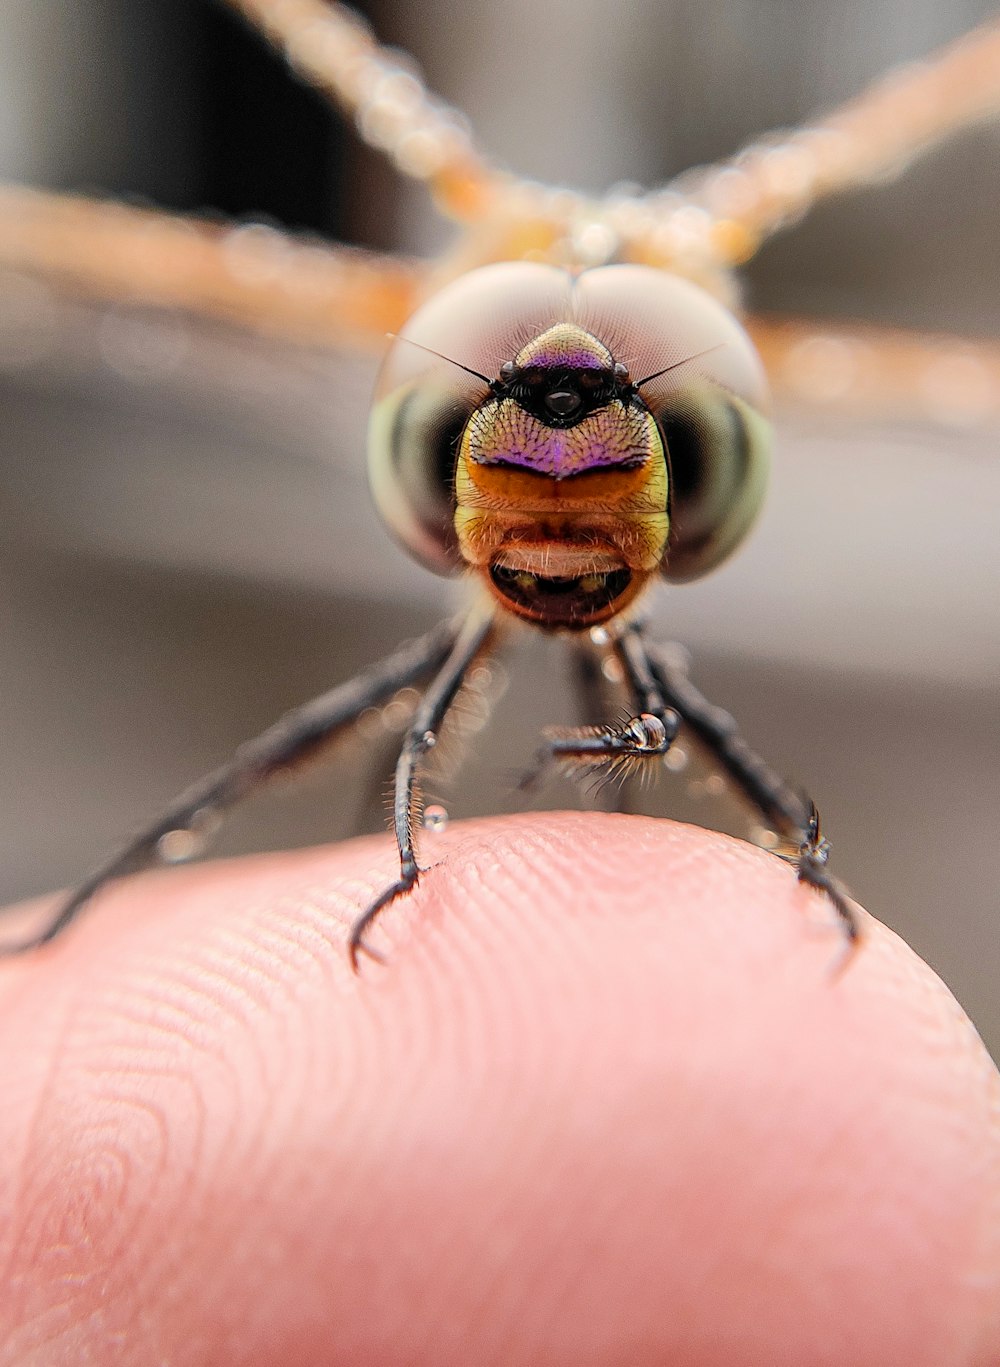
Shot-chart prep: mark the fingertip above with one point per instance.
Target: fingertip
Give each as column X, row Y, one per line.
column 604, row 1101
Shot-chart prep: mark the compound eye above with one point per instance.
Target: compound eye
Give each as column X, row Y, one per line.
column 698, row 373
column 413, row 437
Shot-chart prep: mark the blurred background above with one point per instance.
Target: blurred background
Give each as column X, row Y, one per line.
column 189, row 549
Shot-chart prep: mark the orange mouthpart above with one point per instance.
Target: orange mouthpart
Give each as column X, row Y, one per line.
column 562, row 553
column 620, row 514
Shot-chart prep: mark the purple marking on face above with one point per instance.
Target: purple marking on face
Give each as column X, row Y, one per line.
column 562, row 453
column 614, row 437
column 558, row 358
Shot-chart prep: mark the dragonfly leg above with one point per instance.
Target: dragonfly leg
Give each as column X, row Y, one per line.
column 610, row 752
column 296, row 738
column 792, row 815
column 468, row 646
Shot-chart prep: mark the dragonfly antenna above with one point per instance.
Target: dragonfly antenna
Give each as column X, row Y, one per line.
column 667, row 368
column 398, row 337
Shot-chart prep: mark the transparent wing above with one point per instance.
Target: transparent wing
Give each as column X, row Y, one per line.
column 324, row 296
column 245, row 443
column 248, row 274
column 716, row 216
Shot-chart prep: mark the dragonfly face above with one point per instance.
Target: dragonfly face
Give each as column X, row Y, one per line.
column 569, row 438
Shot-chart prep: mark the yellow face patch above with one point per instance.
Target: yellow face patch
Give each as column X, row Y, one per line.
column 564, row 552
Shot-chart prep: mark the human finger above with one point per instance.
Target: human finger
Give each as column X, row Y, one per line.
column 608, row 1103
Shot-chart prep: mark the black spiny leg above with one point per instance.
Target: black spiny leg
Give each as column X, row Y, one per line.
column 595, row 703
column 421, row 737
column 792, row 815
column 616, row 750
column 297, row 737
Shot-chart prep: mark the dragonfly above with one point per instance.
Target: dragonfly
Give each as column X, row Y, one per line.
column 697, row 230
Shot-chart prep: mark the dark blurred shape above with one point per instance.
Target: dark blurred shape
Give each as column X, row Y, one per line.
column 268, row 143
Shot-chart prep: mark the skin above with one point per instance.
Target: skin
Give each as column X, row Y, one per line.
column 610, row 1102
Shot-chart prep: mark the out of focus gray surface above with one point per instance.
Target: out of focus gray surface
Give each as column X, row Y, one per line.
column 188, row 548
